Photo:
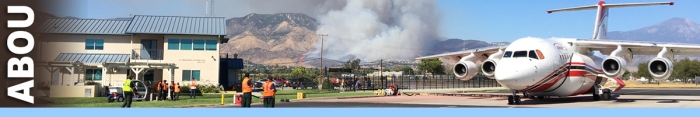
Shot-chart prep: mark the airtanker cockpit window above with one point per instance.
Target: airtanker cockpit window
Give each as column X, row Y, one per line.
column 517, row 54
column 507, row 54
column 532, row 54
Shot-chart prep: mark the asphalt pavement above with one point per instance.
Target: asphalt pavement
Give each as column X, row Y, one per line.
column 638, row 97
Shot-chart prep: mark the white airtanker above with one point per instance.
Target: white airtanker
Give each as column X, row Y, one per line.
column 566, row 66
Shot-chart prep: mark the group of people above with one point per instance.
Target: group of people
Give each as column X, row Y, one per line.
column 162, row 88
column 269, row 92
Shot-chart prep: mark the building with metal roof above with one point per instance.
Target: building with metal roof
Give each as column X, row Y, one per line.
column 103, row 52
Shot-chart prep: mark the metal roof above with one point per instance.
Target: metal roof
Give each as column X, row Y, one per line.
column 92, row 57
column 143, row 24
column 84, row 26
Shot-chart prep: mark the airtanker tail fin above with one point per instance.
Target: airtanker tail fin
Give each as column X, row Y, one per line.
column 600, row 31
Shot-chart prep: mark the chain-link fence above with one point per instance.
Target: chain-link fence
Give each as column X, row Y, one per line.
column 403, row 82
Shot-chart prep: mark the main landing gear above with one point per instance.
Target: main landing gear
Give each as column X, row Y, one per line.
column 514, row 99
column 598, row 92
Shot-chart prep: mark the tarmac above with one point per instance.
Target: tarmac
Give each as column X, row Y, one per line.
column 625, row 98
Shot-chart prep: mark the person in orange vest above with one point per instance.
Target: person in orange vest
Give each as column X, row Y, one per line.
column 176, row 95
column 172, row 90
column 269, row 93
column 157, row 90
column 164, row 90
column 193, row 89
column 247, row 90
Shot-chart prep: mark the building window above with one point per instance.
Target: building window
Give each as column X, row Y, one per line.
column 93, row 74
column 192, row 44
column 185, row 44
column 94, row 44
column 198, row 44
column 187, row 75
column 173, row 44
column 211, row 45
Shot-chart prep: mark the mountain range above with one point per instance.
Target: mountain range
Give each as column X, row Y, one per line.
column 674, row 30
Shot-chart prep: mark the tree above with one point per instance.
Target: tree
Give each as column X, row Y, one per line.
column 642, row 71
column 298, row 71
column 433, row 66
column 626, row 76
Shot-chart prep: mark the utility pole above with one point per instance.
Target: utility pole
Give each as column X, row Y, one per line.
column 321, row 68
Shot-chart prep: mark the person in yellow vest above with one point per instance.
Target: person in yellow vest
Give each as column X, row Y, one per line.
column 128, row 93
column 247, row 90
column 177, row 92
column 269, row 93
column 193, row 89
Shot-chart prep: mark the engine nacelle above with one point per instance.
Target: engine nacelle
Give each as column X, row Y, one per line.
column 614, row 66
column 660, row 68
column 488, row 68
column 465, row 70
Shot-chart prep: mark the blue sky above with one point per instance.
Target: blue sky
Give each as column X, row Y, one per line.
column 487, row 20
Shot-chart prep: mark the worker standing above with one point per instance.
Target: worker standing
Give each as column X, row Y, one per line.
column 269, row 94
column 172, row 90
column 128, row 94
column 164, row 90
column 193, row 89
column 157, row 91
column 177, row 92
column 247, row 91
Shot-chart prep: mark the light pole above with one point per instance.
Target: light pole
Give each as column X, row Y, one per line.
column 321, row 68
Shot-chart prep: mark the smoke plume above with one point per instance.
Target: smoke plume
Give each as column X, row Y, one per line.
column 369, row 29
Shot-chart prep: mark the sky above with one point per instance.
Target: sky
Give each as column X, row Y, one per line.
column 486, row 20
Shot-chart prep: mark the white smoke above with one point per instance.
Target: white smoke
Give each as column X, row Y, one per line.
column 378, row 29
column 368, row 29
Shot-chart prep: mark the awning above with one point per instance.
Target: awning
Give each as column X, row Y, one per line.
column 93, row 58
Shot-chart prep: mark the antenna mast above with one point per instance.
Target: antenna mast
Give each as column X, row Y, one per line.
column 210, row 8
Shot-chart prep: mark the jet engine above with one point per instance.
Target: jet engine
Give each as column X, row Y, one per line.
column 465, row 70
column 488, row 68
column 614, row 66
column 660, row 68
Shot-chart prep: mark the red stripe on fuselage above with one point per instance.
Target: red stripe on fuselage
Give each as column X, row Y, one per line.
column 543, row 84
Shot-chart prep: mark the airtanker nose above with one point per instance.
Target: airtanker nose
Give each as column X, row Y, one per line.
column 512, row 73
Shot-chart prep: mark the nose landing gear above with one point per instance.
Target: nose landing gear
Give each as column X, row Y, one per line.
column 514, row 99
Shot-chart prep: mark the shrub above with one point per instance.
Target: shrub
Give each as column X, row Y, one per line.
column 202, row 89
column 327, row 84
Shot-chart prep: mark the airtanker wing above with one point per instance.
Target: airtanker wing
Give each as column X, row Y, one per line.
column 478, row 52
column 640, row 48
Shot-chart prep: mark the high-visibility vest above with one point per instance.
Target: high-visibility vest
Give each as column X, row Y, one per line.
column 267, row 89
column 157, row 86
column 127, row 86
column 177, row 88
column 193, row 85
column 245, row 87
column 164, row 86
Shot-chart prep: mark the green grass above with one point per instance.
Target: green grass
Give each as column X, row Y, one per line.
column 205, row 100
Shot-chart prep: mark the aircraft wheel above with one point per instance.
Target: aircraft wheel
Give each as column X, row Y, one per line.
column 606, row 94
column 510, row 100
column 540, row 97
column 516, row 99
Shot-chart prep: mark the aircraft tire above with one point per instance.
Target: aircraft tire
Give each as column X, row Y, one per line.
column 510, row 100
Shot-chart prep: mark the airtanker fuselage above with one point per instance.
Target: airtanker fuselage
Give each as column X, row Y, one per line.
column 546, row 67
